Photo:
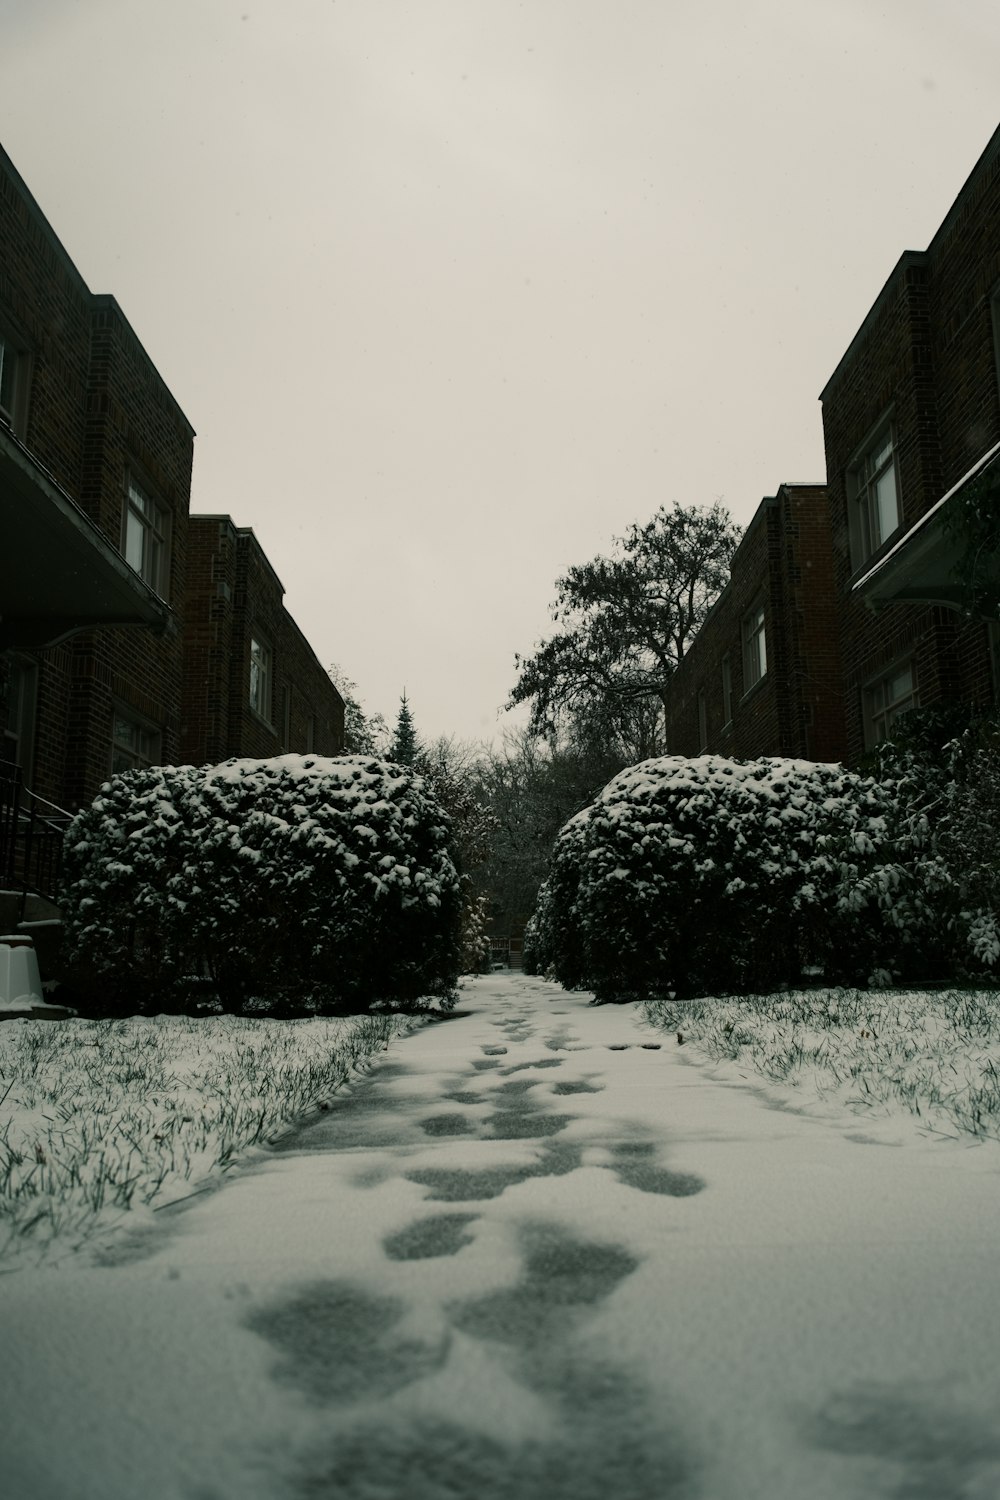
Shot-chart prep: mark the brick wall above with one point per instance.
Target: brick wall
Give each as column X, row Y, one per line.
column 45, row 310
column 233, row 595
column 95, row 411
column 785, row 562
column 926, row 357
column 97, row 414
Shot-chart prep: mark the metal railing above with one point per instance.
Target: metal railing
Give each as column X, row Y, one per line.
column 32, row 834
column 10, row 802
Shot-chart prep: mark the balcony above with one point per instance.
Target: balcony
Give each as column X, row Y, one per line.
column 58, row 573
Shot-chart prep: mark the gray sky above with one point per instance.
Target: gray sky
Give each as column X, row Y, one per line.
column 455, row 290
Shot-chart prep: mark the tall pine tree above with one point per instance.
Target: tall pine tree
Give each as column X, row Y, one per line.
column 404, row 748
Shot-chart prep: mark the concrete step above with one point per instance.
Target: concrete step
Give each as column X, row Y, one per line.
column 43, row 924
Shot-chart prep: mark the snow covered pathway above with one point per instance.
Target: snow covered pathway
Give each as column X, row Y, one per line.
column 538, row 1252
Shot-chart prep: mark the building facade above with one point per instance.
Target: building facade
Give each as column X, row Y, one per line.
column 131, row 633
column 252, row 683
column 95, row 473
column 910, row 416
column 763, row 675
column 851, row 604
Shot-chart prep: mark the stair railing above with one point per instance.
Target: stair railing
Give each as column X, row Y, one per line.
column 32, row 836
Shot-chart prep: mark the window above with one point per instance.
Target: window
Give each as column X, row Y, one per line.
column 134, row 742
column 260, row 677
column 993, row 637
column 21, row 691
column 702, row 721
column 727, row 691
column 874, row 496
column 13, row 383
column 886, row 699
column 754, row 647
column 8, row 380
column 145, row 541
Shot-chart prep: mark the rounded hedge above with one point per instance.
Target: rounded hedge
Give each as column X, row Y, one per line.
column 301, row 882
column 694, row 876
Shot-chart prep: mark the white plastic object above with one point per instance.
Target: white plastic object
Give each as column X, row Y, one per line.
column 20, row 981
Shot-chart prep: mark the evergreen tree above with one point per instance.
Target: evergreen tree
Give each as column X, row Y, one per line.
column 404, row 747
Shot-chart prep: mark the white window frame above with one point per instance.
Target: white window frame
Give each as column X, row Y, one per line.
column 873, row 493
column 146, row 744
column 261, row 675
column 753, row 633
column 146, row 535
column 887, row 697
column 727, row 690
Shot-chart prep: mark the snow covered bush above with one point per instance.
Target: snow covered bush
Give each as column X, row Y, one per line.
column 966, row 836
column 704, row 875
column 942, row 777
column 302, row 882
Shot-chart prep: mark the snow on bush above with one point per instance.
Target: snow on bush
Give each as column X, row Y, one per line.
column 302, row 882
column 703, row 875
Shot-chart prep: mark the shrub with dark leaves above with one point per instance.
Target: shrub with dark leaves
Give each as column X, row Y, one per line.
column 694, row 876
column 298, row 883
column 941, row 774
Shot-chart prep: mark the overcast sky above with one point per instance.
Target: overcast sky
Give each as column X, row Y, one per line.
column 454, row 290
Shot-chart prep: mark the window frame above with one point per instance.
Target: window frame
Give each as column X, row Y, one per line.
column 865, row 473
column 18, row 738
column 152, row 525
column 14, row 357
column 727, row 690
column 150, row 740
column 886, row 712
column 753, row 638
column 262, row 702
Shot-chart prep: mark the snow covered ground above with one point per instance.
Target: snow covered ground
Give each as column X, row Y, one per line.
column 102, row 1120
column 540, row 1250
column 935, row 1054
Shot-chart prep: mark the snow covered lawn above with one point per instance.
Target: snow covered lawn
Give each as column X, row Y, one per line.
column 935, row 1053
column 101, row 1118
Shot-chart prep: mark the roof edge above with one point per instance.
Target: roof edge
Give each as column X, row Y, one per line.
column 906, row 260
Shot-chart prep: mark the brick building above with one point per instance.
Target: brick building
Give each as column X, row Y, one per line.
column 911, row 416
column 763, row 675
column 94, row 492
column 252, row 683
column 844, row 612
column 105, row 610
